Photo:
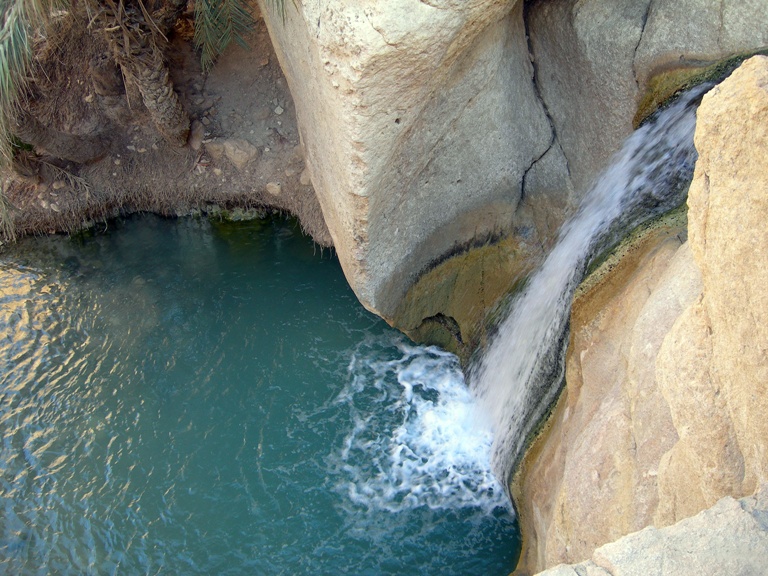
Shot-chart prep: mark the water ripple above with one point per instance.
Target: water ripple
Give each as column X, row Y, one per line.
column 156, row 419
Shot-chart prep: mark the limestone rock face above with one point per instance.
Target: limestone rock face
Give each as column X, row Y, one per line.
column 434, row 128
column 596, row 59
column 583, row 53
column 419, row 121
column 667, row 370
column 731, row 537
column 679, row 32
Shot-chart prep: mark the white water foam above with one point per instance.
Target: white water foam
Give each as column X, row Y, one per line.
column 519, row 375
column 417, row 441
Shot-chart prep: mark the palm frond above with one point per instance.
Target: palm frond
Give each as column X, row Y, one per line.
column 7, row 228
column 217, row 24
column 18, row 21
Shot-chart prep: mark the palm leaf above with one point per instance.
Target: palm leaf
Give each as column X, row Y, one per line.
column 7, row 229
column 18, row 21
column 217, row 24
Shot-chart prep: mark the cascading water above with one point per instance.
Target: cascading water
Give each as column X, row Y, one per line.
column 521, row 372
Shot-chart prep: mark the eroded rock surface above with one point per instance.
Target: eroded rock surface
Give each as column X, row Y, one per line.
column 729, row 538
column 432, row 129
column 419, row 121
column 596, row 59
column 667, row 371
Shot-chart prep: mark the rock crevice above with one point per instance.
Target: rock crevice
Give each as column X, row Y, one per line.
column 428, row 125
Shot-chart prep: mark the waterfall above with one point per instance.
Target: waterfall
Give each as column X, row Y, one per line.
column 521, row 372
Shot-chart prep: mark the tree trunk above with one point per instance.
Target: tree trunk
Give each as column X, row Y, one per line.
column 166, row 13
column 72, row 147
column 151, row 76
column 133, row 46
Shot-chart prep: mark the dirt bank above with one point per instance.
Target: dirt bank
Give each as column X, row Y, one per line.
column 244, row 150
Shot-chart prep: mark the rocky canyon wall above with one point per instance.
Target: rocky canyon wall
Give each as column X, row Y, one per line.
column 447, row 140
column 419, row 122
column 667, row 373
column 729, row 538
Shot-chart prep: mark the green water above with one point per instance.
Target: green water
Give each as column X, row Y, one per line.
column 182, row 397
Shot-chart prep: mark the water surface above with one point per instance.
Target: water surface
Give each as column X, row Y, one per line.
column 182, row 397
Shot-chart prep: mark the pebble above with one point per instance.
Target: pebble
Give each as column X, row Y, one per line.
column 279, row 110
column 274, row 188
column 196, row 135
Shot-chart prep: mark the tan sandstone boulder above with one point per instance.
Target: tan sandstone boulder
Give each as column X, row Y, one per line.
column 667, row 372
column 721, row 347
column 729, row 538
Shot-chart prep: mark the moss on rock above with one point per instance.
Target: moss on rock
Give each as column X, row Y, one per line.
column 666, row 84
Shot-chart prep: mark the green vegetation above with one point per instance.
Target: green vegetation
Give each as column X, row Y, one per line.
column 217, row 23
column 19, row 19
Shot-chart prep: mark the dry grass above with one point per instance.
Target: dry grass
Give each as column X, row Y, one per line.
column 140, row 172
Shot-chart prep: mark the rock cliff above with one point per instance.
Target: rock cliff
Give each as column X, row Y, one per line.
column 667, row 370
column 729, row 538
column 447, row 140
column 419, row 121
